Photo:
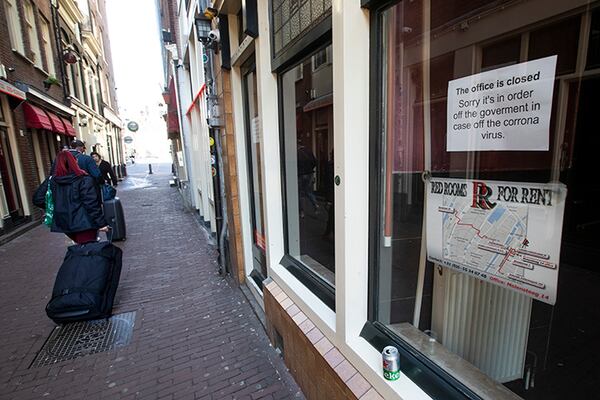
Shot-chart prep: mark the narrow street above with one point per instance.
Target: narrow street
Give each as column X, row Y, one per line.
column 194, row 336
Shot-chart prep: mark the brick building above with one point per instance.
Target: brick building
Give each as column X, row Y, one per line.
column 50, row 94
column 36, row 119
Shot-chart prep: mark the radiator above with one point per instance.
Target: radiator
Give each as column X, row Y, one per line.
column 485, row 324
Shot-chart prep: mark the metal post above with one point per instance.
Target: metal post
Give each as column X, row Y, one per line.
column 149, row 169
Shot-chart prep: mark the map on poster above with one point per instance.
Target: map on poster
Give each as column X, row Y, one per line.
column 505, row 109
column 505, row 233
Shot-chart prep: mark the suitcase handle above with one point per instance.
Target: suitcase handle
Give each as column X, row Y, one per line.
column 109, row 238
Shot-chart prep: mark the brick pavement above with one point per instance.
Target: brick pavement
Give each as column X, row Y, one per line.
column 195, row 336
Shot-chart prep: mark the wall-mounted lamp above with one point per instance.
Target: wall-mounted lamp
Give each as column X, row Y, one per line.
column 70, row 55
column 203, row 28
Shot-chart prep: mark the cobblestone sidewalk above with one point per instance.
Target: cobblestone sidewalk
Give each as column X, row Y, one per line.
column 195, row 336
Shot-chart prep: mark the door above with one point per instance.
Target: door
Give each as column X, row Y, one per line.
column 9, row 183
column 254, row 143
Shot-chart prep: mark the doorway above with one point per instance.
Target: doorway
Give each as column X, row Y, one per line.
column 13, row 214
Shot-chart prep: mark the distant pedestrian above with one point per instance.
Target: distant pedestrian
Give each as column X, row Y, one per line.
column 84, row 161
column 77, row 204
column 306, row 164
column 107, row 175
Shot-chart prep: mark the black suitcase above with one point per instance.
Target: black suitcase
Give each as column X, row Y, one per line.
column 86, row 283
column 113, row 212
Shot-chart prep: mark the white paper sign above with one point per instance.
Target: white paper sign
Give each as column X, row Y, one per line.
column 505, row 233
column 507, row 108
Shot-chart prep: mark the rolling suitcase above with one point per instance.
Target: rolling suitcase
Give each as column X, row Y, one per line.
column 113, row 212
column 86, row 283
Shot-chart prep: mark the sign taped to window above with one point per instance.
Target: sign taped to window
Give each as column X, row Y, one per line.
column 505, row 109
column 505, row 233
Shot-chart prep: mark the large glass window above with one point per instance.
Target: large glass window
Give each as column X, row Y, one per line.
column 486, row 229
column 47, row 45
column 254, row 144
column 307, row 97
column 34, row 44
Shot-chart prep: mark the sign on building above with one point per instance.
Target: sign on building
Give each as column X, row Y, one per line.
column 507, row 108
column 505, row 233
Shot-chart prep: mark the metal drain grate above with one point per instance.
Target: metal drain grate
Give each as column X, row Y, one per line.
column 79, row 339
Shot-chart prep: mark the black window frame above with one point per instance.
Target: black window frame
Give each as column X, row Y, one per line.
column 319, row 287
column 258, row 254
column 430, row 377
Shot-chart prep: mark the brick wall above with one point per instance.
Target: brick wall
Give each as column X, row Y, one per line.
column 318, row 367
column 223, row 80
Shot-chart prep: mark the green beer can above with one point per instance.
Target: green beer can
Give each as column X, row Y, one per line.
column 391, row 363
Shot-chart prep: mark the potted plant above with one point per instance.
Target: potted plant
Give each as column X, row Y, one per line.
column 50, row 80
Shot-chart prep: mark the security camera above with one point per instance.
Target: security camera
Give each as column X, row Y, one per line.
column 214, row 35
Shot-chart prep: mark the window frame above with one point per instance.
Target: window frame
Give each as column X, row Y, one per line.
column 47, row 45
column 15, row 27
column 318, row 286
column 32, row 33
column 429, row 376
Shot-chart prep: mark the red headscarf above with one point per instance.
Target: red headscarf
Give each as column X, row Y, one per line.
column 66, row 164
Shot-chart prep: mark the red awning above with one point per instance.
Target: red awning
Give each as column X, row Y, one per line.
column 57, row 124
column 172, row 116
column 36, row 117
column 319, row 102
column 70, row 130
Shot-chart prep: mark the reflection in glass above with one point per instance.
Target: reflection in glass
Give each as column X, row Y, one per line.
column 254, row 142
column 536, row 350
column 308, row 138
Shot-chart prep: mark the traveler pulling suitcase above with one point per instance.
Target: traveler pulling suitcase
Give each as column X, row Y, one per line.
column 113, row 212
column 86, row 283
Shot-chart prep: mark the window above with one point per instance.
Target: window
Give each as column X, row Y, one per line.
column 321, row 58
column 308, row 141
column 47, row 45
column 34, row 44
column 255, row 185
column 104, row 87
column 14, row 26
column 85, row 90
column 451, row 273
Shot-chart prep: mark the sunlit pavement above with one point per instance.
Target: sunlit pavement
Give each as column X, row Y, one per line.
column 195, row 336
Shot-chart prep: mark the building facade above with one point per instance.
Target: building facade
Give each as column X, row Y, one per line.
column 414, row 174
column 41, row 90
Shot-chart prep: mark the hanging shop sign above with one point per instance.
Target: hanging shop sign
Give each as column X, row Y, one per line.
column 128, row 139
column 507, row 108
column 505, row 233
column 133, row 126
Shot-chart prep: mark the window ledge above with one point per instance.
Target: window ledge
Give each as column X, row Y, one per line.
column 456, row 366
column 23, row 56
column 307, row 301
column 42, row 70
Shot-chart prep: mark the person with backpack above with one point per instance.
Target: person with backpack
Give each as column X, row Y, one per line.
column 77, row 203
